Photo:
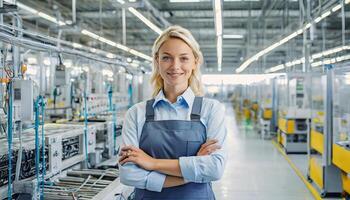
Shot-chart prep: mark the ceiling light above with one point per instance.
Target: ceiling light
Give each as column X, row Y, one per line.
column 326, row 14
column 36, row 12
column 313, row 57
column 90, row 34
column 24, row 7
column 219, row 52
column 145, row 20
column 232, row 36
column 336, row 8
column 142, row 18
column 120, row 46
column 111, row 55
column 125, row 48
column 318, row 19
column 69, row 22
column 184, row 1
column 76, row 45
column 241, row 0
column 218, row 27
column 245, row 64
column 274, row 69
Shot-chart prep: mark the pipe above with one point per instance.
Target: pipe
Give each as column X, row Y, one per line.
column 124, row 26
column 343, row 23
column 37, row 103
column 85, row 128
column 9, row 138
column 1, row 15
column 43, row 148
column 44, row 47
column 51, row 40
column 16, row 49
column 114, row 128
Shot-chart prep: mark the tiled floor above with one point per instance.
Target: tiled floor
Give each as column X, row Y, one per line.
column 255, row 169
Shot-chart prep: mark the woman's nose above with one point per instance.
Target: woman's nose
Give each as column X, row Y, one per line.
column 176, row 63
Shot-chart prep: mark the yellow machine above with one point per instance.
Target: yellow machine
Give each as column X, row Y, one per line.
column 294, row 112
column 341, row 125
column 325, row 176
column 266, row 109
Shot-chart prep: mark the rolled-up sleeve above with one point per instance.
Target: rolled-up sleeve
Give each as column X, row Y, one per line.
column 131, row 174
column 203, row 169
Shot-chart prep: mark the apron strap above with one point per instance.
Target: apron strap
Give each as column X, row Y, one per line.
column 196, row 109
column 150, row 110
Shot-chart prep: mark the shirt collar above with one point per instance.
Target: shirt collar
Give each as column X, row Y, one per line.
column 188, row 97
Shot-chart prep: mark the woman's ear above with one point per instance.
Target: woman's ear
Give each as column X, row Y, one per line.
column 196, row 63
column 156, row 60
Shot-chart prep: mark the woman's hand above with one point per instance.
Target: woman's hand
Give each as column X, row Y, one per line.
column 209, row 147
column 137, row 156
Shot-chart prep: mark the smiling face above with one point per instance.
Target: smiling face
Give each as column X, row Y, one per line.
column 176, row 62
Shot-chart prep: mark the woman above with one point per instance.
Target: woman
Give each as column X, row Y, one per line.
column 173, row 145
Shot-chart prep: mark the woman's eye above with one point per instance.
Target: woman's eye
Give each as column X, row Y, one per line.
column 184, row 59
column 165, row 58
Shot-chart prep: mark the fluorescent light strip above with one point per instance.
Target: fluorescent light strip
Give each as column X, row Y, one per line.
column 142, row 18
column 218, row 26
column 184, row 1
column 312, row 58
column 76, row 45
column 85, row 32
column 232, row 36
column 241, row 0
column 36, row 12
column 218, row 17
column 219, row 52
column 145, row 20
column 331, row 60
column 249, row 61
column 114, row 44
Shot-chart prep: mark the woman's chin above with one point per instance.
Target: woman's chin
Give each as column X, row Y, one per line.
column 177, row 82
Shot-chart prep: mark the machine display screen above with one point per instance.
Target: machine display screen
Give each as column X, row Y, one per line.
column 17, row 94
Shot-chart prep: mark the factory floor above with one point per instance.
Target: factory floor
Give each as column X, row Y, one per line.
column 255, row 169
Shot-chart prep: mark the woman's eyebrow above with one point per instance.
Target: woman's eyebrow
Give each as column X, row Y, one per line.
column 183, row 54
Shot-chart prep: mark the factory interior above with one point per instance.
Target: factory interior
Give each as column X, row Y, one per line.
column 71, row 71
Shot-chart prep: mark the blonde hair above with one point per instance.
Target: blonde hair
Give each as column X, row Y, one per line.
column 185, row 35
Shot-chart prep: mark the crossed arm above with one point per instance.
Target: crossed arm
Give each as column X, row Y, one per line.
column 169, row 167
column 140, row 170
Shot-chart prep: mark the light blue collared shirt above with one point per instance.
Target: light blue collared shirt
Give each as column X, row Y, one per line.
column 198, row 169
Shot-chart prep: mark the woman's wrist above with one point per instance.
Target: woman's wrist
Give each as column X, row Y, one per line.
column 155, row 166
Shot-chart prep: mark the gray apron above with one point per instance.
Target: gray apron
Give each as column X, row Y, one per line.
column 171, row 139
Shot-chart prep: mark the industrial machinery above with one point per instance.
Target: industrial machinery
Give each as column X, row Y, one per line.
column 58, row 121
column 252, row 105
column 324, row 175
column 266, row 109
column 294, row 112
column 340, row 155
column 60, row 101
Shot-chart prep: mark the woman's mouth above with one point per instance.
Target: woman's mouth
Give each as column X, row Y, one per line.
column 171, row 74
